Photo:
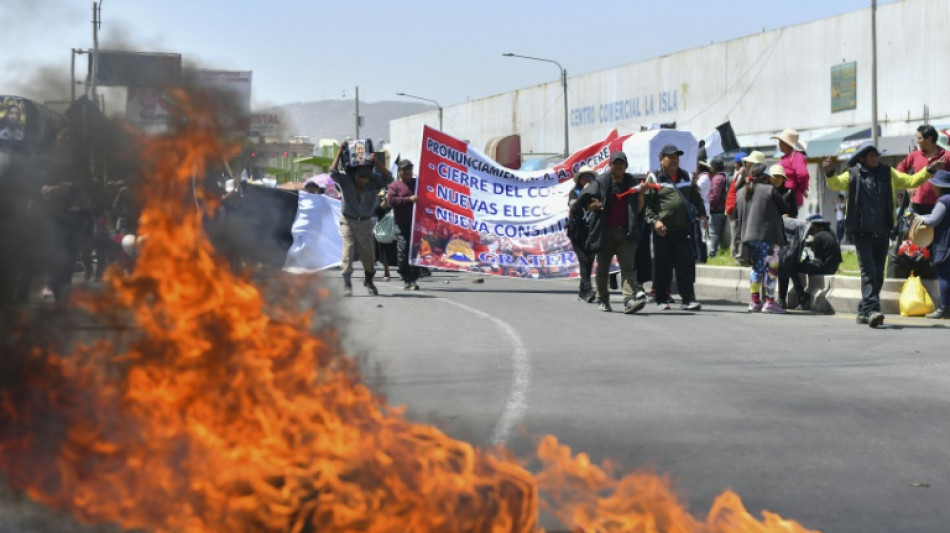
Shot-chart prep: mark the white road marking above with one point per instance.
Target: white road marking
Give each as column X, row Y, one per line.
column 517, row 403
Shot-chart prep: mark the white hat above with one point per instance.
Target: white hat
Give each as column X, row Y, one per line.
column 756, row 157
column 790, row 137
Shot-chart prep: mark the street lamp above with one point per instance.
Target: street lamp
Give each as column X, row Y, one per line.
column 427, row 100
column 567, row 151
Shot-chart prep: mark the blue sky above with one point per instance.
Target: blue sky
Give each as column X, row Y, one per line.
column 447, row 51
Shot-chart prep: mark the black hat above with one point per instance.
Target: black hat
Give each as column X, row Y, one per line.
column 670, row 150
column 864, row 149
column 618, row 156
column 817, row 219
column 403, row 163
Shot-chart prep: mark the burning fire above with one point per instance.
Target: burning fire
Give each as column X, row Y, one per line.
column 216, row 412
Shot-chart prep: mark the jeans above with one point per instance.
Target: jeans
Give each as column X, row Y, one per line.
column 716, row 223
column 943, row 280
column 616, row 243
column 872, row 254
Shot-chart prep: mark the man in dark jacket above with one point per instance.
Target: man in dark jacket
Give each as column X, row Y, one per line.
column 401, row 195
column 870, row 217
column 615, row 204
column 823, row 259
column 671, row 210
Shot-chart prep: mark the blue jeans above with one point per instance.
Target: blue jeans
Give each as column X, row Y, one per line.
column 716, row 223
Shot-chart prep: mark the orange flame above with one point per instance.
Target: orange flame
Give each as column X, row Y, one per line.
column 224, row 414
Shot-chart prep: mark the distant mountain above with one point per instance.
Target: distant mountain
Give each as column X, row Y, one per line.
column 333, row 119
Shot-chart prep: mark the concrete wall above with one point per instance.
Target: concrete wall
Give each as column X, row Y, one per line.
column 763, row 83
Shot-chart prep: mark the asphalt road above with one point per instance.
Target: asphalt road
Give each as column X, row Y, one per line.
column 838, row 426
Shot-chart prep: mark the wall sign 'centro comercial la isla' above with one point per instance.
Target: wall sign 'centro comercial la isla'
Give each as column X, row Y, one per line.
column 627, row 109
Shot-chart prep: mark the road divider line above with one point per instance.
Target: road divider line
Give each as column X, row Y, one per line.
column 517, row 403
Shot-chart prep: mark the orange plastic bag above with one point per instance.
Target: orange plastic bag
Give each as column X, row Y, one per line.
column 915, row 301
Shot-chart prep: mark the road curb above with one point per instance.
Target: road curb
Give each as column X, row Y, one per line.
column 829, row 294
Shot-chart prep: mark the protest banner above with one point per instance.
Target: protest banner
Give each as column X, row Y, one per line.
column 475, row 215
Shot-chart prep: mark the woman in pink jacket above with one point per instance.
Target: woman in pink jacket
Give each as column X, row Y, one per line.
column 796, row 168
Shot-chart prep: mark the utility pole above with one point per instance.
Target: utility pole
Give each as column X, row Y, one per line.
column 357, row 112
column 96, row 24
column 874, row 124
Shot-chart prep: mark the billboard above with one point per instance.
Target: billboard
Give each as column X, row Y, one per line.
column 137, row 69
column 265, row 125
column 844, row 87
column 150, row 108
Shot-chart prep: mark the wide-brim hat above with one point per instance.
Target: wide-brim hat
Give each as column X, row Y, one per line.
column 941, row 179
column 582, row 171
column 919, row 234
column 755, row 157
column 790, row 137
column 864, row 149
column 777, row 170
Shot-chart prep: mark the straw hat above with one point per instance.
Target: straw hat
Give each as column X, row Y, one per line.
column 777, row 170
column 790, row 137
column 584, row 170
column 755, row 157
column 919, row 234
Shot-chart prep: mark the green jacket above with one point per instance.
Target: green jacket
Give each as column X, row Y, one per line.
column 667, row 206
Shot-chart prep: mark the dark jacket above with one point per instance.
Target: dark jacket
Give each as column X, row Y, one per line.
column 827, row 251
column 667, row 205
column 397, row 196
column 860, row 176
column 760, row 217
column 718, row 189
column 942, row 234
column 577, row 226
column 597, row 221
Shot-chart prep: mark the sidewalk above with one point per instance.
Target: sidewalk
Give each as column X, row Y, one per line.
column 829, row 294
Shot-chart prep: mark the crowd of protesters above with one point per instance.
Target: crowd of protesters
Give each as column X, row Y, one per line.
column 656, row 226
column 762, row 203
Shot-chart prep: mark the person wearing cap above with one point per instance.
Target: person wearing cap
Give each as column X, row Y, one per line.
column 577, row 233
column 738, row 180
column 614, row 202
column 939, row 219
column 760, row 207
column 815, row 237
column 671, row 211
column 795, row 166
column 359, row 187
column 401, row 195
column 718, row 190
column 869, row 217
column 923, row 198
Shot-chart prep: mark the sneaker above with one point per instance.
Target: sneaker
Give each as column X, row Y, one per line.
column 876, row 319
column 939, row 313
column 652, row 296
column 407, row 286
column 631, row 306
column 663, row 305
column 691, row 306
column 755, row 307
column 591, row 297
column 641, row 294
column 605, row 307
column 773, row 307
column 861, row 319
column 415, row 286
